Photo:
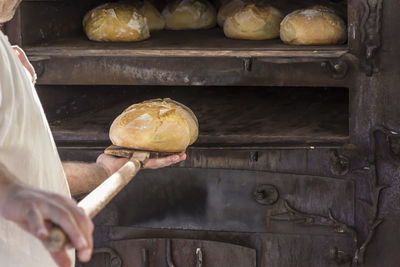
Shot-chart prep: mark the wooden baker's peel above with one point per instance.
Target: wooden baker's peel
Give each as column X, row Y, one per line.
column 96, row 200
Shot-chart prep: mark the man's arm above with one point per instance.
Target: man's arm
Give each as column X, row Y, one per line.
column 84, row 177
column 32, row 209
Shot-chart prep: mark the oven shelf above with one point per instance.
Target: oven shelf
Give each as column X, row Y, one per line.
column 200, row 43
column 232, row 116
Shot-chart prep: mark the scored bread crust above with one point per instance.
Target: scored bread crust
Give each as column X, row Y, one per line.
column 228, row 9
column 313, row 26
column 157, row 125
column 115, row 22
column 189, row 15
column 155, row 21
column 253, row 22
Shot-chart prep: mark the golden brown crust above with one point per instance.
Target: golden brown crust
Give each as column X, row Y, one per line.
column 189, row 15
column 157, row 125
column 155, row 21
column 253, row 22
column 313, row 26
column 115, row 22
column 228, row 9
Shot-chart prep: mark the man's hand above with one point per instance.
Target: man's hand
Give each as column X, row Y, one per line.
column 164, row 162
column 83, row 177
column 112, row 164
column 34, row 210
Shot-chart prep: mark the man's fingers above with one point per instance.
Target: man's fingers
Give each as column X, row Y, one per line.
column 84, row 222
column 63, row 217
column 36, row 211
column 163, row 162
column 36, row 223
column 87, row 227
column 85, row 255
column 61, row 258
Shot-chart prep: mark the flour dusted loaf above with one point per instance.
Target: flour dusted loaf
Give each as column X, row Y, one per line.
column 115, row 22
column 317, row 25
column 155, row 21
column 158, row 125
column 253, row 22
column 228, row 9
column 189, row 15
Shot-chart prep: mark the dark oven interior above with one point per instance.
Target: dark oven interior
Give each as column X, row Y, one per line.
column 57, row 24
column 241, row 116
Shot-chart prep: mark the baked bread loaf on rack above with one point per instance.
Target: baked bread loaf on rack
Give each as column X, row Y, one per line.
column 228, row 9
column 115, row 22
column 189, row 15
column 253, row 22
column 155, row 21
column 160, row 125
column 318, row 25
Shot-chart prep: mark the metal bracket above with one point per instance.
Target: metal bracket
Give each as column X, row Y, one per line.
column 371, row 32
column 115, row 260
column 266, row 194
column 340, row 164
column 253, row 156
column 199, row 255
column 346, row 159
column 339, row 256
column 168, row 252
column 337, row 69
column 145, row 257
column 38, row 64
column 247, row 64
column 387, row 143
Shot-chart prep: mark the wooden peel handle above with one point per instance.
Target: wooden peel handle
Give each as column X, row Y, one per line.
column 95, row 201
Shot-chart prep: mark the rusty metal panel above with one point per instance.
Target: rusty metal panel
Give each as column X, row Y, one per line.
column 228, row 200
column 133, row 70
column 304, row 160
column 273, row 250
column 310, row 251
column 172, row 252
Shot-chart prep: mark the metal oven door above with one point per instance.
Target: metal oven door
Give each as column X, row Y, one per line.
column 287, row 218
column 160, row 252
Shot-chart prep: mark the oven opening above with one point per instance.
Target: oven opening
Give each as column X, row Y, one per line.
column 51, row 28
column 229, row 116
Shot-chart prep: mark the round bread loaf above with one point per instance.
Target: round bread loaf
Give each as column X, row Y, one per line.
column 228, row 9
column 115, row 22
column 155, row 21
column 189, row 15
column 313, row 26
column 253, row 22
column 158, row 125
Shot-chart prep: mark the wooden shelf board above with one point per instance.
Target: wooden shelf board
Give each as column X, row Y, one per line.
column 199, row 43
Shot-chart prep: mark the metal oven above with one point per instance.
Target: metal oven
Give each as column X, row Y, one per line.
column 298, row 155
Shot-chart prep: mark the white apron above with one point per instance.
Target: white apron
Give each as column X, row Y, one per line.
column 28, row 150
